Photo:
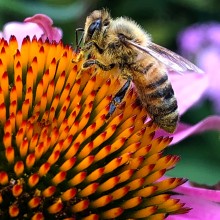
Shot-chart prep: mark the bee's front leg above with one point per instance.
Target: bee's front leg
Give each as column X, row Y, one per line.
column 91, row 44
column 91, row 62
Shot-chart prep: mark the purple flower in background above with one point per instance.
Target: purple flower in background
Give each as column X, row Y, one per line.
column 39, row 25
column 201, row 44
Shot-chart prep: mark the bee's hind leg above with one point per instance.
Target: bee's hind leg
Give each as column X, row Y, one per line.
column 91, row 62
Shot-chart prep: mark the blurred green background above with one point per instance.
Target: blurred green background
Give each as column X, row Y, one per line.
column 163, row 19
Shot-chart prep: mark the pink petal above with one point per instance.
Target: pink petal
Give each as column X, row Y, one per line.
column 201, row 209
column 45, row 23
column 188, row 88
column 21, row 30
column 206, row 194
column 185, row 130
column 201, row 200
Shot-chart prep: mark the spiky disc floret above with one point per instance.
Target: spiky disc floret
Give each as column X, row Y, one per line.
column 62, row 155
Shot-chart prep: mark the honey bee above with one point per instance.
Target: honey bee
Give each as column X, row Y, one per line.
column 122, row 43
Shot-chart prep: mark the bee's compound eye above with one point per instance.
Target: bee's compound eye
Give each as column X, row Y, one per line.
column 94, row 26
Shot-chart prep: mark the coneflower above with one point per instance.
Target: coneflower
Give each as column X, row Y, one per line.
column 64, row 154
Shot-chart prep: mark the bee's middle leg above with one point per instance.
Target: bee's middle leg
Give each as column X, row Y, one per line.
column 91, row 62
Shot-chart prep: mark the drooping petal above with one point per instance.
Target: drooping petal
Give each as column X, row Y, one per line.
column 203, row 193
column 39, row 25
column 184, row 130
column 201, row 209
column 21, row 30
column 188, row 89
column 46, row 24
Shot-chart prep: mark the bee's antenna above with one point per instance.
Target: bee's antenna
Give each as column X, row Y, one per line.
column 78, row 41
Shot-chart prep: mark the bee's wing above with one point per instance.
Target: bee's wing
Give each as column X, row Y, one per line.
column 167, row 57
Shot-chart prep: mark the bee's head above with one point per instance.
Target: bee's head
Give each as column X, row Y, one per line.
column 96, row 24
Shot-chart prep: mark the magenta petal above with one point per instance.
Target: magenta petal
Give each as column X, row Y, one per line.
column 201, row 209
column 188, row 88
column 21, row 30
column 45, row 22
column 185, row 130
column 207, row 194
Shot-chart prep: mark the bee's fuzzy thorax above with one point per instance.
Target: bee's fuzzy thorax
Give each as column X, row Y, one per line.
column 131, row 30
